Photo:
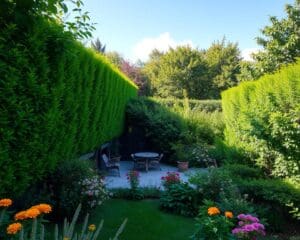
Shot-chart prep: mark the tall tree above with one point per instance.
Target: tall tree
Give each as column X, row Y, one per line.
column 115, row 58
column 98, row 46
column 223, row 59
column 180, row 69
column 280, row 41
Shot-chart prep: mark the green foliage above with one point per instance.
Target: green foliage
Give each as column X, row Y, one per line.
column 262, row 121
column 212, row 227
column 160, row 126
column 179, row 198
column 178, row 70
column 243, row 171
column 74, row 182
column 283, row 196
column 202, row 74
column 195, row 105
column 223, row 59
column 146, row 192
column 58, row 100
column 280, row 41
column 25, row 13
column 211, row 184
column 69, row 231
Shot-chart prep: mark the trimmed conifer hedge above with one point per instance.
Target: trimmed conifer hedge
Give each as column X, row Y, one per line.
column 263, row 121
column 58, row 99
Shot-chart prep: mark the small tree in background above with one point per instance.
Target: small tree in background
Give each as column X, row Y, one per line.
column 98, row 46
column 280, row 41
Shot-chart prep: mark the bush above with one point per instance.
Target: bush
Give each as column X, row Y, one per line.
column 282, row 196
column 72, row 183
column 242, row 171
column 210, row 184
column 58, row 100
column 179, row 198
column 262, row 121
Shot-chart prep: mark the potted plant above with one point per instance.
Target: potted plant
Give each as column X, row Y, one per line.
column 181, row 156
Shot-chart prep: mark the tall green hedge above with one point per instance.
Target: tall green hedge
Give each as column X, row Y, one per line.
column 58, row 99
column 263, row 121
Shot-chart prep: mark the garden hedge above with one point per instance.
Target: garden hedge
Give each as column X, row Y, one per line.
column 58, row 100
column 263, row 121
column 199, row 105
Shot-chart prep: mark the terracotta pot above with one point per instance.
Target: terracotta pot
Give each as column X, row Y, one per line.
column 183, row 166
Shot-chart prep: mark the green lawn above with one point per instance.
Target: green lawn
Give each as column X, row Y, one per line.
column 145, row 221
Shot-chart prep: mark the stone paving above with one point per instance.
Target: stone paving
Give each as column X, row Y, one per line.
column 152, row 178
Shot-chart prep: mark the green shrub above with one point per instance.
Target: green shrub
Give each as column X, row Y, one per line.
column 262, row 121
column 283, row 196
column 73, row 182
column 211, row 183
column 243, row 171
column 179, row 198
column 216, row 226
column 58, row 100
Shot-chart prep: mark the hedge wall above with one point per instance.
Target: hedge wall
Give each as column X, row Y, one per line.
column 263, row 121
column 58, row 99
column 199, row 105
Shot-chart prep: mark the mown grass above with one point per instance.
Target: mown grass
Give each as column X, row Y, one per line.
column 145, row 221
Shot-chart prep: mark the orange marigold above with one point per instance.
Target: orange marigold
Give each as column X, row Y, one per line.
column 43, row 208
column 5, row 202
column 32, row 213
column 92, row 227
column 13, row 228
column 213, row 211
column 228, row 214
column 20, row 215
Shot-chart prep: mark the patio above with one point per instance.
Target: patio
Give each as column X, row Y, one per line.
column 152, row 178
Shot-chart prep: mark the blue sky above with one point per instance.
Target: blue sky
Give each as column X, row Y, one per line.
column 134, row 27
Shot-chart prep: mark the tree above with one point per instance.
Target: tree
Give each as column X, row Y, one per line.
column 98, row 46
column 248, row 71
column 180, row 69
column 115, row 58
column 223, row 59
column 135, row 74
column 281, row 40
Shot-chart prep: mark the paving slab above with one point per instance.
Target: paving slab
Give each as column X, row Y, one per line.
column 152, row 178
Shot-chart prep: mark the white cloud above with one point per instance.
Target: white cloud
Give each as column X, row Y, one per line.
column 247, row 52
column 143, row 48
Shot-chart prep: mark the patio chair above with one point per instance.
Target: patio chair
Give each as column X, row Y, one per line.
column 112, row 163
column 139, row 162
column 155, row 162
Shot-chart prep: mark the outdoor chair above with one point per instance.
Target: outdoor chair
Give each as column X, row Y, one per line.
column 139, row 162
column 155, row 162
column 112, row 163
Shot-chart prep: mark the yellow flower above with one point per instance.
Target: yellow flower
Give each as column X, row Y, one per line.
column 229, row 214
column 66, row 238
column 32, row 213
column 92, row 227
column 13, row 228
column 5, row 202
column 43, row 208
column 213, row 211
column 20, row 215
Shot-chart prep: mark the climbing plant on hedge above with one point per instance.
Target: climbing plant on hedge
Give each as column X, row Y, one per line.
column 263, row 121
column 58, row 99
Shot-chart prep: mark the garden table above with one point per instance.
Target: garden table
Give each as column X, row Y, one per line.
column 147, row 156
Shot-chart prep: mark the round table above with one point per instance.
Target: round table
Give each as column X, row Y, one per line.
column 146, row 156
